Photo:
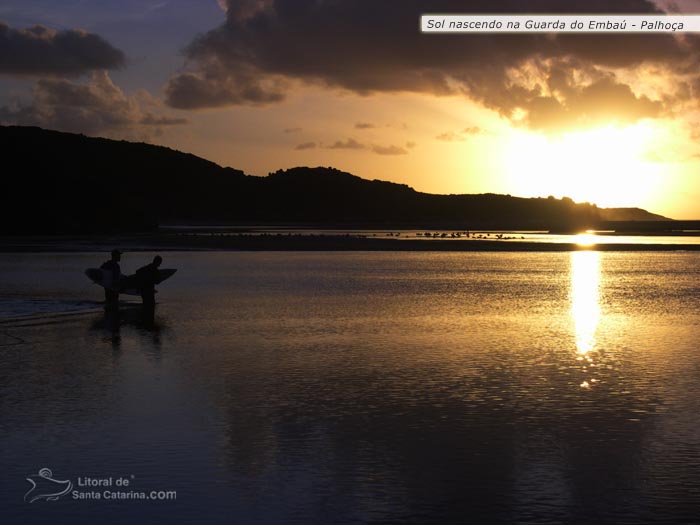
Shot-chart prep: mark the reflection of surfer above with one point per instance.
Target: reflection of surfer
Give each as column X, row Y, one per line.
column 146, row 278
column 112, row 285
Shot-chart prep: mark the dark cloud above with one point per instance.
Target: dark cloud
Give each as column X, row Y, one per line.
column 96, row 107
column 149, row 119
column 459, row 136
column 305, row 145
column 550, row 81
column 215, row 85
column 606, row 97
column 41, row 51
column 389, row 150
column 364, row 125
column 347, row 144
column 291, row 130
column 352, row 144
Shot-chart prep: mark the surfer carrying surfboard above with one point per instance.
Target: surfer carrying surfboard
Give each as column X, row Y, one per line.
column 146, row 279
column 142, row 283
column 112, row 286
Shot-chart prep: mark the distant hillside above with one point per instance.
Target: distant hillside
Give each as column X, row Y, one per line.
column 629, row 214
column 70, row 183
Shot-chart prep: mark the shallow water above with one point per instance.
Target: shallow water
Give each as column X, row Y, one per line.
column 356, row 387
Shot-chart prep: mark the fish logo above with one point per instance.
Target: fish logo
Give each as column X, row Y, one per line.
column 45, row 487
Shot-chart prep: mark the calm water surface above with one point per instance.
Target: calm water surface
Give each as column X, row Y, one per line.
column 358, row 387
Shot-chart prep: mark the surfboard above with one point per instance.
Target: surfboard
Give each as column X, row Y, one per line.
column 165, row 273
column 126, row 284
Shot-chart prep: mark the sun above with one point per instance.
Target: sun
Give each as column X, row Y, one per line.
column 605, row 166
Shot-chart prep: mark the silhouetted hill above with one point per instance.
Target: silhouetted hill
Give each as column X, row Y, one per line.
column 629, row 214
column 66, row 183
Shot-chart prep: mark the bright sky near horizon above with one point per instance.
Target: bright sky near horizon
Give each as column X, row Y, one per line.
column 262, row 85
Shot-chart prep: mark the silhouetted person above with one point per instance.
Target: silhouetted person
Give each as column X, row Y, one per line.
column 146, row 279
column 112, row 291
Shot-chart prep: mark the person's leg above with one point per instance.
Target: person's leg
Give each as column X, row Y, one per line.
column 148, row 297
column 111, row 299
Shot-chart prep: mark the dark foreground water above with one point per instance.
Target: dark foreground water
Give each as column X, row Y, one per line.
column 355, row 387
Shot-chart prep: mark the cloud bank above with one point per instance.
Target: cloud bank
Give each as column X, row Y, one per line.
column 545, row 82
column 95, row 107
column 352, row 144
column 41, row 51
column 459, row 136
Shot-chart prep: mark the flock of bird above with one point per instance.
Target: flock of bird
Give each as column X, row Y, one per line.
column 423, row 235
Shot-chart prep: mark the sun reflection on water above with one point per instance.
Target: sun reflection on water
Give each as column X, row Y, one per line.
column 585, row 306
column 586, row 240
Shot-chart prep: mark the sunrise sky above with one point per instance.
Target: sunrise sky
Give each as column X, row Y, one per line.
column 261, row 85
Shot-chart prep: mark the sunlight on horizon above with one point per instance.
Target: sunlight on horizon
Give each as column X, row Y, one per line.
column 586, row 239
column 605, row 166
